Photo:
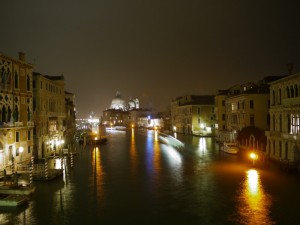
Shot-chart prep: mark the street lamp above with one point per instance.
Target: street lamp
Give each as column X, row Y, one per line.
column 21, row 149
column 95, row 142
column 254, row 157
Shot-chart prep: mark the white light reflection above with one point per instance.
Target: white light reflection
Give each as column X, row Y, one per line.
column 202, row 145
column 173, row 154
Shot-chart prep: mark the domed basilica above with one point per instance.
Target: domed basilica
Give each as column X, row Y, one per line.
column 119, row 104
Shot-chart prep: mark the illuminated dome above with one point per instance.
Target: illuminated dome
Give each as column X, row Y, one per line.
column 118, row 102
column 131, row 104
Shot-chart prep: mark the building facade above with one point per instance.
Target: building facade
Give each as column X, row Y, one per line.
column 16, row 110
column 49, row 115
column 283, row 137
column 70, row 122
column 193, row 114
column 242, row 106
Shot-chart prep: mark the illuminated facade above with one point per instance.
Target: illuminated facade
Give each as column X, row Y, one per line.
column 284, row 134
column 121, row 113
column 16, row 109
column 118, row 103
column 193, row 114
column 49, row 114
column 220, row 112
column 241, row 106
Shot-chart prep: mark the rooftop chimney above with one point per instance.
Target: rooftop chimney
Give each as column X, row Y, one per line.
column 22, row 56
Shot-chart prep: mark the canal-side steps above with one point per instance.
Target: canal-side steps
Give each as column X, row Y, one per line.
column 48, row 175
column 48, row 169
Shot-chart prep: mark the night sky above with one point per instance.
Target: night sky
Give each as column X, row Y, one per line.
column 155, row 50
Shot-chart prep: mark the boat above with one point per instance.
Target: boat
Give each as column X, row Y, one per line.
column 230, row 148
column 12, row 200
column 170, row 140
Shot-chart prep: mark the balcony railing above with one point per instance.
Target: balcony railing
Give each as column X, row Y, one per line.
column 30, row 124
column 273, row 133
column 18, row 124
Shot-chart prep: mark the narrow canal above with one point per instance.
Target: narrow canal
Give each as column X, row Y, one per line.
column 135, row 179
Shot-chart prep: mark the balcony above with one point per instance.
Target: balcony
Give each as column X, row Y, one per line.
column 10, row 125
column 30, row 124
column 273, row 133
column 18, row 124
column 295, row 137
column 291, row 101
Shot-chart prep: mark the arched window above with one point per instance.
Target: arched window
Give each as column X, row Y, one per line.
column 279, row 100
column 280, row 150
column 16, row 80
column 28, row 83
column 296, row 90
column 28, row 114
column 273, row 97
column 280, row 123
column 16, row 114
column 287, row 92
column 269, row 147
column 292, row 92
column 273, row 123
column 8, row 114
column 3, row 114
column 286, row 150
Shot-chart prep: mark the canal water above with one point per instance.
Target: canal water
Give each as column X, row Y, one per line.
column 135, row 179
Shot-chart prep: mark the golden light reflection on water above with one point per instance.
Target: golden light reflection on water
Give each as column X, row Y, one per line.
column 133, row 154
column 156, row 157
column 97, row 171
column 253, row 202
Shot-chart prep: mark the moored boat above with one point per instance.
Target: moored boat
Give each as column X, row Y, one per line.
column 230, row 148
column 12, row 200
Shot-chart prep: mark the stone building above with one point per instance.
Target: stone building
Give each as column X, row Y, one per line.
column 118, row 114
column 16, row 110
column 193, row 114
column 283, row 139
column 49, row 114
column 70, row 122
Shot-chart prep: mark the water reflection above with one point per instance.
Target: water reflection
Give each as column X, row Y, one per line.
column 97, row 172
column 133, row 154
column 153, row 153
column 202, row 145
column 253, row 202
column 156, row 149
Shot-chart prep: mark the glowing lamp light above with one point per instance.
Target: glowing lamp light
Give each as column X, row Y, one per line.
column 254, row 157
column 21, row 149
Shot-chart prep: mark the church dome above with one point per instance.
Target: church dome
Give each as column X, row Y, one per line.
column 131, row 104
column 118, row 102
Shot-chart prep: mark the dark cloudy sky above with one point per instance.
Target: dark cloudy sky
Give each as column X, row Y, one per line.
column 155, row 50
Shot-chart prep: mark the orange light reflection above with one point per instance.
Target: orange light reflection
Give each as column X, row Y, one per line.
column 254, row 203
column 97, row 171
